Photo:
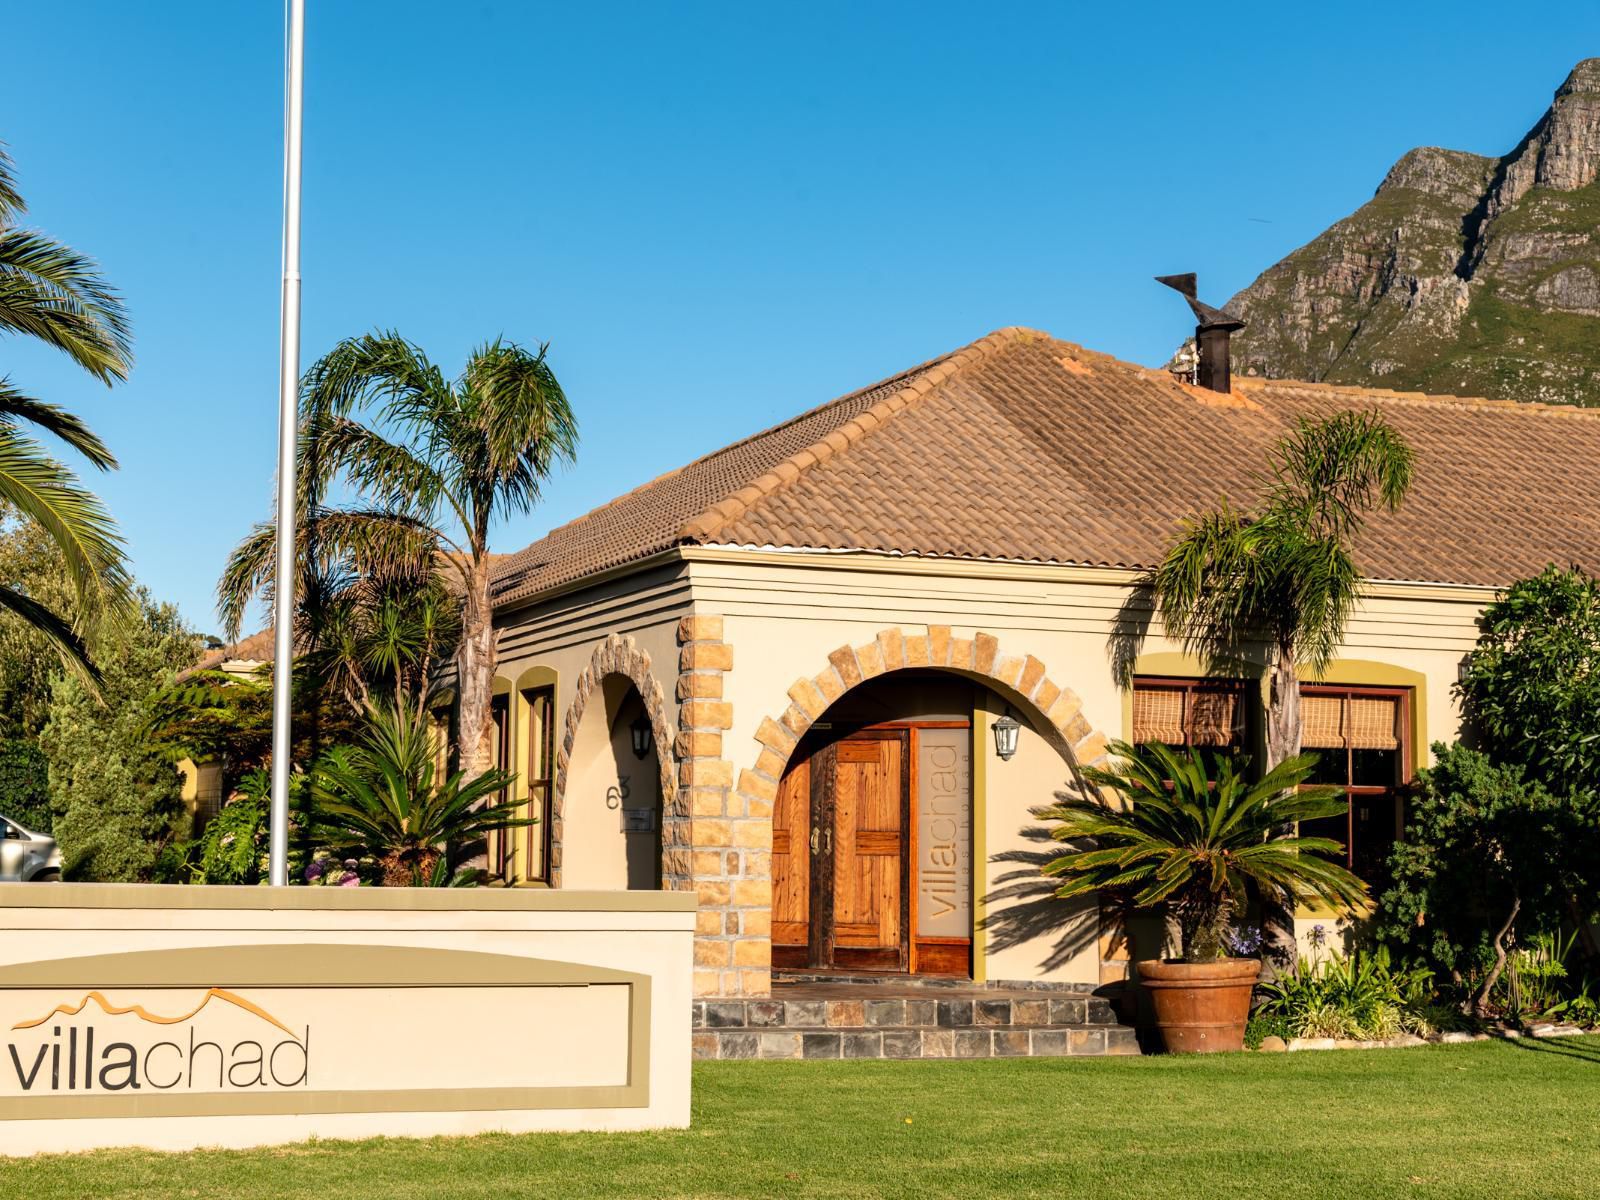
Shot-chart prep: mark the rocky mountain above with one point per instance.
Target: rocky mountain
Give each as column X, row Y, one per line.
column 1463, row 274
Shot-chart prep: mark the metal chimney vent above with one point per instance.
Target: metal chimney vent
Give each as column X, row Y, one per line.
column 1211, row 334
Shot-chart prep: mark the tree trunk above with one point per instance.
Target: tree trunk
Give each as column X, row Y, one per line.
column 1283, row 706
column 475, row 666
column 1480, row 1001
column 1282, row 742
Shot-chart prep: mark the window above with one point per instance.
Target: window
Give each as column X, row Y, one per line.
column 540, row 771
column 1361, row 738
column 500, row 714
column 1208, row 713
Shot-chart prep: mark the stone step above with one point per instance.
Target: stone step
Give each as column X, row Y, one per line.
column 900, row 1042
column 896, row 1012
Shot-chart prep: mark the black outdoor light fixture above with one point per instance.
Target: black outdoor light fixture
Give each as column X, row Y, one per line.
column 1006, row 730
column 643, row 738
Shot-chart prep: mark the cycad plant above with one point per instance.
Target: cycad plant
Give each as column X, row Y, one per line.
column 1161, row 829
column 387, row 796
column 53, row 294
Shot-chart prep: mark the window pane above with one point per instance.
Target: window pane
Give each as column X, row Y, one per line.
column 1375, row 818
column 1375, row 768
column 1330, row 767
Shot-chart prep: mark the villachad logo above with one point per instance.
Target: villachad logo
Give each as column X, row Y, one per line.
column 97, row 1045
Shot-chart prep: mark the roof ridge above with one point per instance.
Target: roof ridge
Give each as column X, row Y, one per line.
column 704, row 526
column 1424, row 399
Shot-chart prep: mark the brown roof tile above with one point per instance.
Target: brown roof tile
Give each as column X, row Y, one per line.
column 1023, row 447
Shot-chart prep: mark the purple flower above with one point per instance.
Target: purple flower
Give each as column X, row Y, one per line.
column 350, row 880
column 314, row 871
column 1318, row 936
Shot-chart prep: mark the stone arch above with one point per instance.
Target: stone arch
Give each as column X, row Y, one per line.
column 617, row 655
column 1023, row 680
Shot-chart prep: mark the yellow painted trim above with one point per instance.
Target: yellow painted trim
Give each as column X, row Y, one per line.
column 340, row 966
column 982, row 736
column 538, row 676
column 530, row 678
column 502, row 686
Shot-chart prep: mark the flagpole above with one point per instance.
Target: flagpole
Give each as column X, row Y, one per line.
column 288, row 426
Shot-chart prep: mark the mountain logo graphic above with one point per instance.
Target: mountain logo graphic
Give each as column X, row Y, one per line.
column 144, row 1014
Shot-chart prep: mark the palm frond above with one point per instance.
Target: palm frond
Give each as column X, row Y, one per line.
column 58, row 631
column 56, row 420
column 43, row 490
column 51, row 292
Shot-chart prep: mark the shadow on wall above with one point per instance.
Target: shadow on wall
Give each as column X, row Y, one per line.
column 1022, row 908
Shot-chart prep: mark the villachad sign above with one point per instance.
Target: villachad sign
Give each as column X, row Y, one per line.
column 317, row 1028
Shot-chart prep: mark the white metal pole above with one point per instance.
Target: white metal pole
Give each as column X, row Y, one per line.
column 288, row 428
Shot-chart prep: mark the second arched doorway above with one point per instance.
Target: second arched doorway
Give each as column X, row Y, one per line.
column 873, row 832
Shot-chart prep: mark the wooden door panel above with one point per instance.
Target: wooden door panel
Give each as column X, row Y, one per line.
column 868, row 851
column 791, row 867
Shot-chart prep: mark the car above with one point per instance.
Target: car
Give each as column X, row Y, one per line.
column 27, row 857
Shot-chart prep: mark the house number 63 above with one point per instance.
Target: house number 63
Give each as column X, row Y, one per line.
column 616, row 794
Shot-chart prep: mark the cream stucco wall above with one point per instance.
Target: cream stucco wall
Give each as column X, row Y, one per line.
column 783, row 614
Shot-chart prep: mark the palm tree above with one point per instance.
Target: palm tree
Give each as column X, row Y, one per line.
column 436, row 463
column 50, row 292
column 383, row 796
column 1166, row 831
column 374, row 611
column 1283, row 575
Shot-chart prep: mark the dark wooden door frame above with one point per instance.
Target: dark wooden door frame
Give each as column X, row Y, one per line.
column 824, row 818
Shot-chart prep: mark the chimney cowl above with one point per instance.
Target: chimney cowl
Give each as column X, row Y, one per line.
column 1213, row 329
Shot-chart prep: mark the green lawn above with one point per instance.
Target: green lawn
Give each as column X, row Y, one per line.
column 1487, row 1119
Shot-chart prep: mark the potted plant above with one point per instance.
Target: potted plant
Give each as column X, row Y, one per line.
column 1165, row 828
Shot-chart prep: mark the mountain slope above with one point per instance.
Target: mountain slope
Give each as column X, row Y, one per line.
column 1462, row 274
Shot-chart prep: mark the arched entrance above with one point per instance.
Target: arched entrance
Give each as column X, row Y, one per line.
column 873, row 839
column 611, row 809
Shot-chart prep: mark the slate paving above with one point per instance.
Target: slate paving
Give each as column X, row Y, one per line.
column 829, row 1019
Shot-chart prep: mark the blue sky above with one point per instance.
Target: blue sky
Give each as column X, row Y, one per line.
column 717, row 215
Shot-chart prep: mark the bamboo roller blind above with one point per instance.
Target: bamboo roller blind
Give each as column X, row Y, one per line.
column 1360, row 722
column 1166, row 714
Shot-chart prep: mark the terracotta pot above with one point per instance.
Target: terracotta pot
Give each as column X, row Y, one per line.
column 1201, row 1008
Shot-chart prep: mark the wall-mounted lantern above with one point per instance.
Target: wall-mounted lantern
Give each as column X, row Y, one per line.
column 643, row 737
column 1006, row 730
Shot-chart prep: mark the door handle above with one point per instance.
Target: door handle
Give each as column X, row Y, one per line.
column 815, row 835
column 827, row 841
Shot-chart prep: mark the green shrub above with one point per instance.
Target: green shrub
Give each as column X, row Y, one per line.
column 25, row 784
column 1363, row 997
column 1486, row 851
column 1264, row 1025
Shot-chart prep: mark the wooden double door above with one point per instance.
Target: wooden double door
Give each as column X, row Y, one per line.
column 844, row 860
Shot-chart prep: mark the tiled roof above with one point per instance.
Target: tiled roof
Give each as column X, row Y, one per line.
column 257, row 648
column 1025, row 448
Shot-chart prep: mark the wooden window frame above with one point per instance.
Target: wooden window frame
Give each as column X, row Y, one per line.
column 500, row 714
column 1407, row 754
column 540, row 789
